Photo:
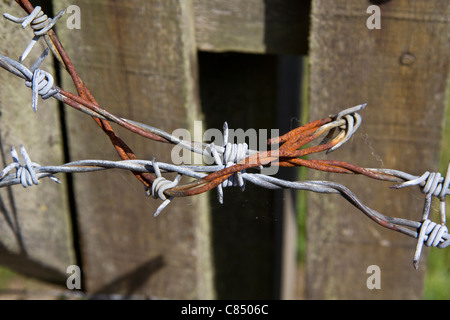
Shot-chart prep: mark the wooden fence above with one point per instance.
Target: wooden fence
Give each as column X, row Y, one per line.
column 171, row 62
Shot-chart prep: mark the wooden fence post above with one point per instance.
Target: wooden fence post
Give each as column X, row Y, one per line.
column 139, row 60
column 401, row 71
column 35, row 229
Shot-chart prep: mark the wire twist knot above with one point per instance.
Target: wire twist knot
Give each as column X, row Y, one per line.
column 39, row 22
column 41, row 84
column 435, row 233
column 348, row 121
column 432, row 184
column 159, row 186
column 232, row 154
column 432, row 235
column 24, row 172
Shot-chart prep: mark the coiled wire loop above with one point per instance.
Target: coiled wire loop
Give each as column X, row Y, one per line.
column 232, row 154
column 39, row 22
column 159, row 185
column 24, row 172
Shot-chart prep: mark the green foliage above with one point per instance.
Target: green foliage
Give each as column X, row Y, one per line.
column 6, row 276
column 437, row 281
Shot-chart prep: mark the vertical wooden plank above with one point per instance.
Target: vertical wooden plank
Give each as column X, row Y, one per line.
column 401, row 71
column 35, row 226
column 139, row 60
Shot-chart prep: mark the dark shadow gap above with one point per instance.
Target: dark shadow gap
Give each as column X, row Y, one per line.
column 286, row 33
column 47, row 7
column 241, row 89
column 287, row 24
column 289, row 86
column 69, row 178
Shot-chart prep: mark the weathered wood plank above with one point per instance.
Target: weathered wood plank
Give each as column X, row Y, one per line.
column 139, row 60
column 401, row 71
column 254, row 26
column 35, row 226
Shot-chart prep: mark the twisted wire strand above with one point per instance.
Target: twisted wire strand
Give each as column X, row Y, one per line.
column 39, row 22
column 326, row 187
column 261, row 180
column 348, row 121
column 432, row 184
column 430, row 232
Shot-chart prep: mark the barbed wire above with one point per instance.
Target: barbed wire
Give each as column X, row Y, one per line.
column 39, row 22
column 234, row 162
column 430, row 233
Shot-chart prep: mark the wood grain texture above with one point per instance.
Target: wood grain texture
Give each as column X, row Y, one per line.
column 401, row 71
column 254, row 26
column 139, row 60
column 35, row 230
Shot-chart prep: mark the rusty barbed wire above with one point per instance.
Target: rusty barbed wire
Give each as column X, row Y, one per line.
column 427, row 232
column 232, row 161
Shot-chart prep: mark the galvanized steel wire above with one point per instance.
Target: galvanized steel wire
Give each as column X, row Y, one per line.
column 232, row 160
column 39, row 22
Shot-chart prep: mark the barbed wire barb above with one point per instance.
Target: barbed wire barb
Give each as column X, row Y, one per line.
column 25, row 173
column 234, row 163
column 161, row 184
column 39, row 22
column 429, row 233
column 40, row 81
